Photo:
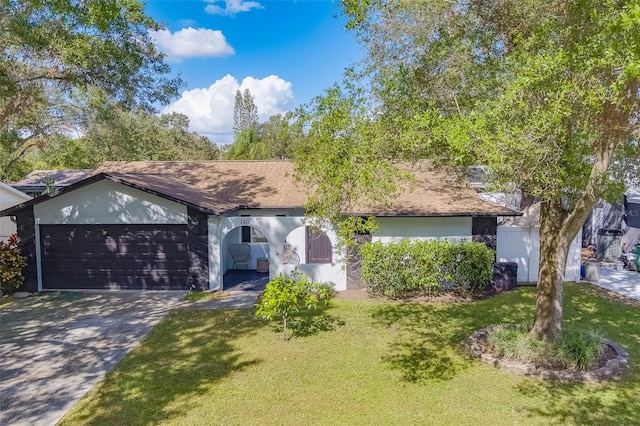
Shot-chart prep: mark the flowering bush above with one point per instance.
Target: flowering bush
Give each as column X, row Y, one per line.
column 11, row 264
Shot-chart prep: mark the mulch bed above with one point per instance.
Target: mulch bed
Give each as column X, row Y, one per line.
column 608, row 366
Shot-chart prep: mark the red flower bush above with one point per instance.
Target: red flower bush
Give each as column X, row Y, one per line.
column 11, row 264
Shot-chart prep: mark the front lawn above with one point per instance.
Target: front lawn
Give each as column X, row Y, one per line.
column 361, row 362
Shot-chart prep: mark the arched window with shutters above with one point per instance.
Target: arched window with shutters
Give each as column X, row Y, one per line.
column 319, row 249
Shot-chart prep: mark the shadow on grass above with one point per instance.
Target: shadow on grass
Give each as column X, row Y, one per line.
column 181, row 357
column 431, row 336
column 614, row 402
column 310, row 323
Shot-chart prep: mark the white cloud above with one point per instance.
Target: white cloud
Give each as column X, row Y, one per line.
column 231, row 7
column 210, row 110
column 191, row 42
column 187, row 22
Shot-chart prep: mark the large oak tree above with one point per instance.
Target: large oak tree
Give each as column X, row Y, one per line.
column 63, row 59
column 545, row 93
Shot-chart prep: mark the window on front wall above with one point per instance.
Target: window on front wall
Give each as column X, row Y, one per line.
column 319, row 248
column 252, row 235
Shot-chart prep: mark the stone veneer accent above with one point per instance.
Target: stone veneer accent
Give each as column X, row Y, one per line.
column 612, row 368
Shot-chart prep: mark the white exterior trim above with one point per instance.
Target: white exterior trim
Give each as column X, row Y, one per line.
column 9, row 197
column 12, row 190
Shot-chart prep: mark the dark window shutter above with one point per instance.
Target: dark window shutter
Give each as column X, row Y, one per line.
column 246, row 234
column 319, row 248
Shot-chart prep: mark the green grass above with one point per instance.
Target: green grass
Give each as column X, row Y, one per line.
column 357, row 363
column 196, row 296
column 577, row 349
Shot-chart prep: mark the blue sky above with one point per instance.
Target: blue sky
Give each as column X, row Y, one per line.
column 285, row 52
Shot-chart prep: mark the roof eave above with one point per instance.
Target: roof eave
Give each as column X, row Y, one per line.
column 44, row 197
column 437, row 214
column 16, row 191
column 95, row 178
column 143, row 188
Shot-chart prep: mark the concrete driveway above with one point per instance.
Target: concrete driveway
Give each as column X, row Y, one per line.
column 55, row 346
column 626, row 283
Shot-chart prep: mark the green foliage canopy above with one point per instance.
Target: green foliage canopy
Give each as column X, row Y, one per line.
column 63, row 58
column 545, row 93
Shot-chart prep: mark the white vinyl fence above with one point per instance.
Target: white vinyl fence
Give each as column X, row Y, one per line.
column 521, row 244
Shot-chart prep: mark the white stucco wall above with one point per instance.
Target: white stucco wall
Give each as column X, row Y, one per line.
column 423, row 228
column 9, row 197
column 298, row 240
column 276, row 229
column 107, row 202
column 225, row 231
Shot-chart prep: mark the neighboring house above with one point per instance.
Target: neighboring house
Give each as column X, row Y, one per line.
column 519, row 242
column 624, row 216
column 40, row 182
column 169, row 225
column 476, row 176
column 632, row 207
column 9, row 197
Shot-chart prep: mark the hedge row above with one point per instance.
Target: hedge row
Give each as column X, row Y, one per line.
column 409, row 268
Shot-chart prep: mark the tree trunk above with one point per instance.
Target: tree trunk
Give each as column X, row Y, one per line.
column 284, row 327
column 554, row 248
column 558, row 229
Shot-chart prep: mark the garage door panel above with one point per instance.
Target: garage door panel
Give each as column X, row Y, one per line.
column 117, row 282
column 115, row 256
column 156, row 274
column 124, row 264
column 122, row 248
column 90, row 260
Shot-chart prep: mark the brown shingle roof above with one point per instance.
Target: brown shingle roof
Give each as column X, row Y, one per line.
column 436, row 192
column 218, row 186
column 58, row 177
column 221, row 186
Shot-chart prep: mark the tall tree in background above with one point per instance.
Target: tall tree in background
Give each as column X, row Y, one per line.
column 124, row 135
column 245, row 113
column 545, row 93
column 274, row 139
column 247, row 144
column 62, row 58
column 280, row 134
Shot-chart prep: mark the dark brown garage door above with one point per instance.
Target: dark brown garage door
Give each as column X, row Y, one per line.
column 152, row 257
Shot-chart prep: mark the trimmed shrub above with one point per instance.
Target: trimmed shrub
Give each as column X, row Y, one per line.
column 286, row 295
column 409, row 268
column 11, row 264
